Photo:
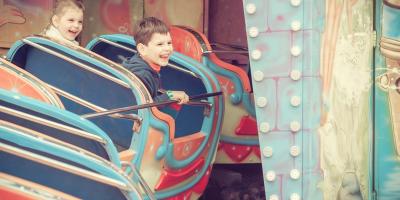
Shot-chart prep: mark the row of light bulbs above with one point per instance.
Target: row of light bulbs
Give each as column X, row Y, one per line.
column 261, row 102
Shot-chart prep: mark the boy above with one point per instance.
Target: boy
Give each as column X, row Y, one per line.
column 154, row 45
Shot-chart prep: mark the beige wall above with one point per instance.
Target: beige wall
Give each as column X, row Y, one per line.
column 177, row 12
column 20, row 18
column 110, row 16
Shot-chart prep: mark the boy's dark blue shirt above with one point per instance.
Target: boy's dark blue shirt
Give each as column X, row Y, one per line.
column 147, row 75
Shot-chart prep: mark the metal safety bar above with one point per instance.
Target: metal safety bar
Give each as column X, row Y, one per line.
column 148, row 105
column 41, row 136
column 52, row 124
column 64, row 167
column 94, row 107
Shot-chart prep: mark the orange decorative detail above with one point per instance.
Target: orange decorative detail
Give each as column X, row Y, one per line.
column 167, row 119
column 198, row 188
column 237, row 152
column 237, row 70
column 11, row 81
column 14, row 195
column 186, row 146
column 173, row 177
column 202, row 184
column 175, row 106
column 186, row 43
column 247, row 126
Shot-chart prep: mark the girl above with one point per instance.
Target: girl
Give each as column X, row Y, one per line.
column 66, row 21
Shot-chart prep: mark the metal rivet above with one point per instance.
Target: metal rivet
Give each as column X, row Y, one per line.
column 253, row 32
column 295, row 2
column 262, row 102
column 270, row 176
column 251, row 8
column 264, row 127
column 295, row 101
column 294, row 174
column 267, row 151
column 296, row 25
column 294, row 151
column 295, row 50
column 295, row 126
column 256, row 54
column 258, row 75
column 274, row 197
column 295, row 75
column 294, row 196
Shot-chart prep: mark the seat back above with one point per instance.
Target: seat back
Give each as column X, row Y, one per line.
column 56, row 123
column 67, row 170
column 23, row 111
column 84, row 83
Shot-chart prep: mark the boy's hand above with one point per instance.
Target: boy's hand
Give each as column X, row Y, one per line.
column 181, row 96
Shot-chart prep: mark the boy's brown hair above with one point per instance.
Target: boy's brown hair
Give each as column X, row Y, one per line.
column 147, row 27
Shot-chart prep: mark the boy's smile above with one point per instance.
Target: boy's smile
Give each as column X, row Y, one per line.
column 158, row 50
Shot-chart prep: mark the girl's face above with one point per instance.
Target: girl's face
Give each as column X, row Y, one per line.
column 69, row 22
column 158, row 50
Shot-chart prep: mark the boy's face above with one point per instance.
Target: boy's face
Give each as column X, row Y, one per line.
column 158, row 50
column 69, row 23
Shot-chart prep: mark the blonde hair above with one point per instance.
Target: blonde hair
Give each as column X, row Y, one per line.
column 59, row 9
column 62, row 4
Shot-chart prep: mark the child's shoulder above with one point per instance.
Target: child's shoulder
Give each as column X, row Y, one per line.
column 136, row 63
column 134, row 60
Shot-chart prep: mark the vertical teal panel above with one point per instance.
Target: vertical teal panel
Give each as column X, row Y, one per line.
column 284, row 45
column 387, row 56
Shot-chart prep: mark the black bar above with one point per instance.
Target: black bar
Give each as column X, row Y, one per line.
column 148, row 105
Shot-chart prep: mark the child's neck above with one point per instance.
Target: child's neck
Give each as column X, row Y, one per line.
column 154, row 66
column 54, row 33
